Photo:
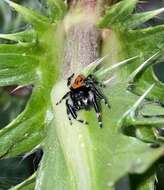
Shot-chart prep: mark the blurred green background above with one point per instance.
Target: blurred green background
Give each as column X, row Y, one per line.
column 15, row 170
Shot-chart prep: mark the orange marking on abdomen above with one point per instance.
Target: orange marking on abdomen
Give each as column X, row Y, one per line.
column 79, row 81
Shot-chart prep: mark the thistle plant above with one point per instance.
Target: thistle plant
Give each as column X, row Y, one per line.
column 90, row 37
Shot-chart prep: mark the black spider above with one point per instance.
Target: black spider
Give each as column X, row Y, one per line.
column 83, row 94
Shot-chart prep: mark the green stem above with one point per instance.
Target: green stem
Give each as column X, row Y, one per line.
column 154, row 122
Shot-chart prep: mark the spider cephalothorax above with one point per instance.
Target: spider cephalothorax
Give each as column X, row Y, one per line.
column 84, row 94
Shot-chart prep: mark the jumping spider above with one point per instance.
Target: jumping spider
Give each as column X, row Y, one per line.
column 83, row 94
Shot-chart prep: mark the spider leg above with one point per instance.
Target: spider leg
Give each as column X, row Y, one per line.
column 69, row 116
column 97, row 110
column 93, row 81
column 101, row 84
column 101, row 96
column 82, row 121
column 69, row 79
column 72, row 111
column 65, row 96
column 106, row 102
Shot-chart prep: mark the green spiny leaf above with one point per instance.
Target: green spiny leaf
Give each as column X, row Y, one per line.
column 117, row 13
column 27, row 144
column 145, row 181
column 102, row 149
column 25, row 36
column 56, row 168
column 57, row 9
column 82, row 157
column 152, row 109
column 19, row 49
column 137, row 43
column 141, row 68
column 37, row 20
column 145, row 134
column 10, row 137
column 16, row 69
column 26, row 131
column 105, row 71
column 133, row 120
column 140, row 18
column 28, row 184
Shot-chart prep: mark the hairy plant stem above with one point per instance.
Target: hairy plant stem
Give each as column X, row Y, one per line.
column 82, row 46
column 83, row 39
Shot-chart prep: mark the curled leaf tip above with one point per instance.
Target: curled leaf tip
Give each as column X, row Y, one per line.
column 138, row 102
column 143, row 66
column 129, row 116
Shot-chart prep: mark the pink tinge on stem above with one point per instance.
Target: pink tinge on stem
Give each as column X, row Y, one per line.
column 89, row 5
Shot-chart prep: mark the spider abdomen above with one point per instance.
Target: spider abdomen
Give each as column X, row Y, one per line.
column 80, row 99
